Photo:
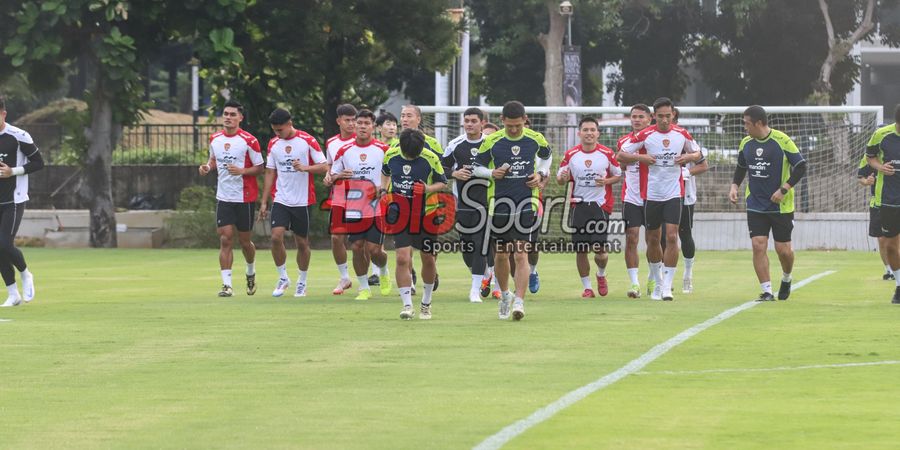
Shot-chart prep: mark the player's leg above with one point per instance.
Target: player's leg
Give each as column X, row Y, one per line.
column 584, row 272
column 653, row 217
column 279, row 256
column 339, row 253
column 890, row 224
column 300, row 227
column 404, row 277
column 424, row 244
column 7, row 223
column 474, row 252
column 875, row 232
column 523, row 271
column 501, row 274
column 376, row 255
column 534, row 281
column 688, row 250
column 27, row 277
column 671, row 222
column 580, row 216
column 244, row 225
column 601, row 259
column 634, row 219
column 760, row 226
column 598, row 240
column 360, row 264
column 226, row 218
column 782, row 225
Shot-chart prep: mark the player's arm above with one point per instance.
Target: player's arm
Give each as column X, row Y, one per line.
column 699, row 168
column 873, row 153
column 690, row 153
column 318, row 160
column 386, row 182
column 483, row 161
column 439, row 183
column 269, row 181
column 798, row 166
column 541, row 166
column 613, row 175
column 563, row 174
column 251, row 171
column 628, row 154
column 740, row 171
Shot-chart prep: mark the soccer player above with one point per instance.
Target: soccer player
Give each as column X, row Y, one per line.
column 489, row 128
column 668, row 147
column 235, row 154
column 866, row 175
column 293, row 158
column 471, row 203
column 775, row 166
column 18, row 157
column 411, row 118
column 518, row 160
column 346, row 120
column 409, row 174
column 632, row 202
column 359, row 163
column 386, row 124
column 883, row 152
column 591, row 169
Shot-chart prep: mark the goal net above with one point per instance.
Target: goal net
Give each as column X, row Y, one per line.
column 832, row 139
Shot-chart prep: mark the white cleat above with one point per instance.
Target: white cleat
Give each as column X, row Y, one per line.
column 342, row 286
column 407, row 313
column 504, row 306
column 301, row 290
column 12, row 300
column 425, row 312
column 687, row 286
column 657, row 293
column 667, row 295
column 282, row 285
column 518, row 310
column 475, row 297
column 27, row 287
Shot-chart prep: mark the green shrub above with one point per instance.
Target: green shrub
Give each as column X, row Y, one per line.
column 193, row 223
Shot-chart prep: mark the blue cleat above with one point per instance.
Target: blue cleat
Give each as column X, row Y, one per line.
column 534, row 283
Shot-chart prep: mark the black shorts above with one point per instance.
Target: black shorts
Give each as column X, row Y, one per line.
column 373, row 234
column 633, row 215
column 657, row 213
column 469, row 219
column 294, row 218
column 522, row 227
column 233, row 213
column 890, row 221
column 591, row 223
column 781, row 225
column 875, row 223
column 10, row 218
column 420, row 241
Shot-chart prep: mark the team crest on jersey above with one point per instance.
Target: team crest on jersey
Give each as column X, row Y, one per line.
column 515, row 150
column 759, row 151
column 588, row 163
column 666, row 143
column 227, row 146
column 474, row 151
column 363, row 157
column 288, row 149
column 407, row 169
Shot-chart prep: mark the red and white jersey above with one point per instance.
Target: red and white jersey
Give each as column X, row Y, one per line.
column 365, row 161
column 664, row 178
column 334, row 143
column 242, row 150
column 632, row 185
column 584, row 170
column 690, row 181
column 293, row 188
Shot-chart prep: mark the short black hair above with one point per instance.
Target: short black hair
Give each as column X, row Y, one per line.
column 513, row 109
column 896, row 111
column 662, row 101
column 234, row 104
column 346, row 110
column 757, row 113
column 366, row 113
column 412, row 142
column 384, row 117
column 473, row 111
column 642, row 107
column 280, row 116
column 588, row 119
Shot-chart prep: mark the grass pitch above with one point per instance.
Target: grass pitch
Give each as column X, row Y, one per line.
column 132, row 349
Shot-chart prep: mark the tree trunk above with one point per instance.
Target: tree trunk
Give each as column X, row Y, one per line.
column 552, row 42
column 98, row 169
column 334, row 86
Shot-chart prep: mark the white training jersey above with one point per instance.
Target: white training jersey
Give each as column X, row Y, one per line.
column 365, row 161
column 240, row 149
column 690, row 181
column 664, row 178
column 585, row 168
column 21, row 192
column 631, row 182
column 293, row 188
column 334, row 143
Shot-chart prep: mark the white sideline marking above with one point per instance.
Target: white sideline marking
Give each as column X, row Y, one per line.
column 770, row 369
column 5, row 320
column 511, row 431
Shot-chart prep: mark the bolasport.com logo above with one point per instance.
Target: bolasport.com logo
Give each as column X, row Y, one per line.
column 356, row 207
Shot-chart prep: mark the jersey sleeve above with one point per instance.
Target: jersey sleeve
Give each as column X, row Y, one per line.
column 484, row 157
column 338, row 165
column 864, row 169
column 270, row 161
column 873, row 147
column 791, row 152
column 632, row 144
column 315, row 152
column 614, row 169
column 255, row 153
column 543, row 146
column 448, row 160
column 741, row 162
column 437, row 168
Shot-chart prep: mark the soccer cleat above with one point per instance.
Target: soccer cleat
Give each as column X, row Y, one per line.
column 588, row 293
column 667, row 295
column 301, row 290
column 602, row 286
column 364, row 294
column 784, row 291
column 28, row 286
column 226, row 291
column 251, row 284
column 651, row 286
column 765, row 297
column 437, row 282
column 282, row 285
column 374, row 280
column 407, row 313
column 635, row 291
column 503, row 312
column 12, row 300
column 895, row 300
column 486, row 286
column 496, row 294
column 657, row 293
column 385, row 286
column 518, row 310
column 687, row 286
column 534, row 283
column 342, row 286
column 887, row 276
column 425, row 312
column 474, row 297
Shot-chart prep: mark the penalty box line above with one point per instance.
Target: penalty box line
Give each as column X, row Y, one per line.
column 510, row 432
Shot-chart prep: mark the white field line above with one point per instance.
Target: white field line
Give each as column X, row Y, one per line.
column 770, row 369
column 511, row 431
column 5, row 320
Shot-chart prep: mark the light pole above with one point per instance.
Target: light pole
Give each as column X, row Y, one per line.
column 571, row 72
column 566, row 9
